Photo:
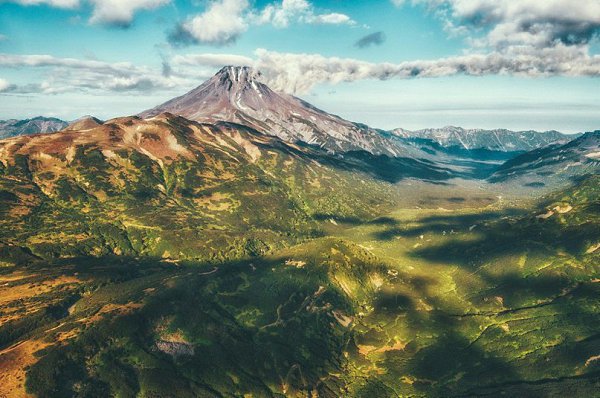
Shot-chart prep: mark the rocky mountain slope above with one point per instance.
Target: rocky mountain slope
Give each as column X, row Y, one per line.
column 556, row 164
column 13, row 127
column 236, row 94
column 493, row 140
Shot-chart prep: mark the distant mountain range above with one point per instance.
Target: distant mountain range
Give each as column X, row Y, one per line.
column 494, row 140
column 13, row 127
column 236, row 94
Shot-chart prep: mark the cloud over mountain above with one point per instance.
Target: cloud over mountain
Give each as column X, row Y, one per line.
column 299, row 73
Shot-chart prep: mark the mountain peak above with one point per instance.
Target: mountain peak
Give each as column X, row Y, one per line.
column 238, row 74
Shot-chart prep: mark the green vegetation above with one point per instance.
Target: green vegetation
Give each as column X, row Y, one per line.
column 280, row 274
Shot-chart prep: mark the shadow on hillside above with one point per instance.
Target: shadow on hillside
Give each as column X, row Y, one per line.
column 261, row 320
column 354, row 221
column 269, row 323
column 510, row 237
column 444, row 224
column 381, row 167
column 462, row 363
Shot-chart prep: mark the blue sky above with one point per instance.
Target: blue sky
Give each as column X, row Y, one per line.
column 423, row 63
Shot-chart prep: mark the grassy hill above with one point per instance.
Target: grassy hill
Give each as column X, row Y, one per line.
column 175, row 189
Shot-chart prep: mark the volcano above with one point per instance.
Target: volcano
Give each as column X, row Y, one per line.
column 236, row 94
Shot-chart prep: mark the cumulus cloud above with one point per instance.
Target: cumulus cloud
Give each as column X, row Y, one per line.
column 331, row 19
column 52, row 3
column 298, row 73
column 69, row 75
column 531, row 23
column 283, row 14
column 525, row 37
column 119, row 12
column 111, row 12
column 288, row 72
column 222, row 23
column 225, row 20
column 376, row 39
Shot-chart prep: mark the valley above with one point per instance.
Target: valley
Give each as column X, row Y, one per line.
column 449, row 298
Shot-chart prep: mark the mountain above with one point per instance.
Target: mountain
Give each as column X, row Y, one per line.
column 236, row 94
column 84, row 123
column 556, row 164
column 500, row 140
column 13, row 127
column 221, row 180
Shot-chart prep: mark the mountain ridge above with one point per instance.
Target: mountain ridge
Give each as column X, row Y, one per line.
column 555, row 163
column 36, row 125
column 502, row 140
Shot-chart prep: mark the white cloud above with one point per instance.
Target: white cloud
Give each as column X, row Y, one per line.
column 113, row 12
column 3, row 37
column 299, row 73
column 292, row 73
column 222, row 23
column 4, row 85
column 121, row 12
column 52, row 3
column 331, row 19
column 286, row 12
column 532, row 23
column 225, row 20
column 71, row 75
column 282, row 14
column 525, row 37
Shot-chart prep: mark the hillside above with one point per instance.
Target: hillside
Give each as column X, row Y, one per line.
column 165, row 185
column 84, row 123
column 553, row 166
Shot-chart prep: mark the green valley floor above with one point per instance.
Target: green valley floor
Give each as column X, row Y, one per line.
column 451, row 298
